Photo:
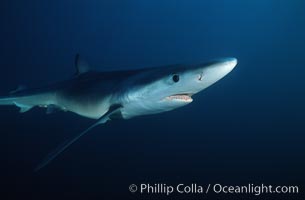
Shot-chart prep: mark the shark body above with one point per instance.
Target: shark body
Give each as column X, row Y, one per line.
column 120, row 94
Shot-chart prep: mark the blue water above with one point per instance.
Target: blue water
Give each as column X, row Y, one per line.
column 247, row 128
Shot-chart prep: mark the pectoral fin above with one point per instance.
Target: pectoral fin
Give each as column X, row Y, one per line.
column 112, row 110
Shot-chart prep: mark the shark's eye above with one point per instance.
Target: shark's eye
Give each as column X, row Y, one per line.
column 176, row 78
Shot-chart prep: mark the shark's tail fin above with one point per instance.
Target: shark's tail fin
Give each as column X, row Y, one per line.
column 4, row 101
column 17, row 101
column 26, row 99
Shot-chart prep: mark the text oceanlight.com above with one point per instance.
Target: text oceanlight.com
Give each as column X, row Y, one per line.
column 194, row 188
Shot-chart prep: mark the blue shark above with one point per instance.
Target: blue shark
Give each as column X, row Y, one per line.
column 110, row 95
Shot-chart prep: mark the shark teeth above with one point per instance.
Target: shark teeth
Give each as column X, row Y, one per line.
column 180, row 97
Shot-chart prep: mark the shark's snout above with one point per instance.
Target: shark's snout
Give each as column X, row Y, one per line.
column 222, row 67
column 226, row 65
column 231, row 63
column 212, row 72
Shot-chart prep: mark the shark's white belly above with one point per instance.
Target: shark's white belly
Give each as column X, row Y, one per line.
column 87, row 108
column 139, row 108
column 89, row 112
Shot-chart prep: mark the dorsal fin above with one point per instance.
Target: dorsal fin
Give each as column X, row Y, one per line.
column 81, row 65
column 18, row 89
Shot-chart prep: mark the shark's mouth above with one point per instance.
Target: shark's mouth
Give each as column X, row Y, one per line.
column 180, row 97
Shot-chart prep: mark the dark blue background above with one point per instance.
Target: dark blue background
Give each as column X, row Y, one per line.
column 247, row 128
